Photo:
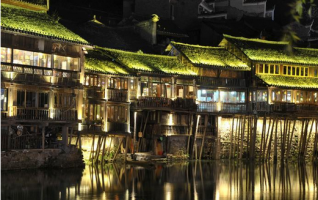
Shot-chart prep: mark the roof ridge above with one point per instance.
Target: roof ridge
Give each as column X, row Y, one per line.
column 136, row 53
column 196, row 45
column 255, row 40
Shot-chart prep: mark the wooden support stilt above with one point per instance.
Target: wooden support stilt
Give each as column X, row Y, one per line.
column 195, row 136
column 91, row 155
column 253, row 137
column 309, row 136
column 262, row 138
column 126, row 149
column 266, row 138
column 275, row 140
column 189, row 132
column 315, row 153
column 109, row 148
column 140, row 140
column 117, row 150
column 242, row 135
column 204, row 133
column 231, row 138
column 99, row 142
column 291, row 139
column 271, row 138
column 301, row 138
column 304, row 139
column 248, row 135
column 103, row 152
column 284, row 134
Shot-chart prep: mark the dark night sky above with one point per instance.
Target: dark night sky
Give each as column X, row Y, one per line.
column 113, row 9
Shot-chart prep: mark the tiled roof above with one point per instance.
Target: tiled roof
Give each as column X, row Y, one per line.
column 96, row 61
column 140, row 62
column 210, row 56
column 36, row 23
column 288, row 81
column 270, row 51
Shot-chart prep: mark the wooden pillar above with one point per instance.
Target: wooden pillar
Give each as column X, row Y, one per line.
column 126, row 149
column 43, row 137
column 204, row 133
column 195, row 136
column 64, row 136
column 135, row 130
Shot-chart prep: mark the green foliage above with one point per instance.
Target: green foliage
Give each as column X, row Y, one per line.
column 35, row 22
column 269, row 51
column 149, row 62
column 212, row 56
column 288, row 81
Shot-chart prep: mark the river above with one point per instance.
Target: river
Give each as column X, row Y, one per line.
column 183, row 180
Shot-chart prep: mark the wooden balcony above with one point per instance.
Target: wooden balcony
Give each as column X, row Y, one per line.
column 95, row 93
column 221, row 107
column 165, row 103
column 294, row 108
column 229, row 82
column 45, row 114
column 117, row 95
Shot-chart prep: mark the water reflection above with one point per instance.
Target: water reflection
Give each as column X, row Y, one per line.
column 187, row 180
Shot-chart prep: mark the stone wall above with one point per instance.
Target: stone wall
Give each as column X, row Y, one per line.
column 38, row 158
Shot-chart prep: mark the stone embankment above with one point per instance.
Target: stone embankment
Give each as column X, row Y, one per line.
column 38, row 158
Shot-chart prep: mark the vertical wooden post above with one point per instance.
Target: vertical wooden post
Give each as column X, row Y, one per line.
column 91, row 155
column 135, row 129
column 308, row 139
column 231, row 138
column 65, row 136
column 189, row 132
column 253, row 137
column 291, row 139
column 43, row 137
column 126, row 149
column 275, row 142
column 204, row 133
column 116, row 153
column 195, row 135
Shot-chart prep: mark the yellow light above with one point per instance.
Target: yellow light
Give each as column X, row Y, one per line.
column 79, row 126
column 218, row 106
column 51, row 114
column 170, row 121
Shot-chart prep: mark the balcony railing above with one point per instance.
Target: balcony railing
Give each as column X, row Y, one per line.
column 162, row 102
column 222, row 107
column 117, row 95
column 94, row 93
column 233, row 82
column 45, row 114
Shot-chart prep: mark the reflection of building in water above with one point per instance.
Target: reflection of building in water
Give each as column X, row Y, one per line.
column 195, row 180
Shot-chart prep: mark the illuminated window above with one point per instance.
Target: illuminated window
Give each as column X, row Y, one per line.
column 66, row 63
column 117, row 114
column 5, row 54
column 232, row 97
column 261, row 96
column 208, row 95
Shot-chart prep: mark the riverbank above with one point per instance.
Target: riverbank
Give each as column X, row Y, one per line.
column 41, row 158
